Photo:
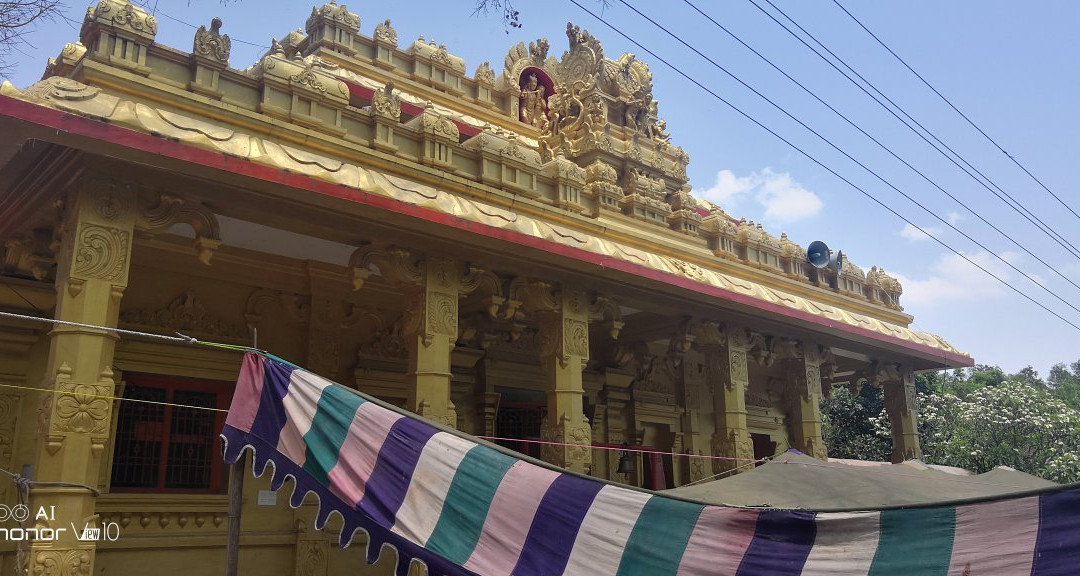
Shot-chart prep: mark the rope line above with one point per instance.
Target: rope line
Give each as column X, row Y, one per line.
column 179, row 338
column 105, row 397
column 726, row 472
column 614, row 448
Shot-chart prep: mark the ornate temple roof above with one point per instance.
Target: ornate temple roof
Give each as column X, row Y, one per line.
column 569, row 154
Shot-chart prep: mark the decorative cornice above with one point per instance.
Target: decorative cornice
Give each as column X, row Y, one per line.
column 220, row 138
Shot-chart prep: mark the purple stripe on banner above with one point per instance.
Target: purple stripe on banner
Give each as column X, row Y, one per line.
column 385, row 490
column 782, row 541
column 271, row 416
column 1057, row 550
column 555, row 526
column 245, row 402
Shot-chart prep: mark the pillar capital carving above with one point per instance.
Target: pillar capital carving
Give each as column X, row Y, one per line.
column 487, row 288
column 606, row 310
column 159, row 211
column 397, row 265
column 738, row 338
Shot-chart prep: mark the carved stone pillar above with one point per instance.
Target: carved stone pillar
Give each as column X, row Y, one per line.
column 430, row 330
column 92, row 274
column 689, row 385
column 326, row 318
column 804, row 399
column 901, row 403
column 312, row 546
column 563, row 318
column 731, row 377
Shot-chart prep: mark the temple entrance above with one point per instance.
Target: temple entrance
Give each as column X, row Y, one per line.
column 517, row 424
column 763, row 446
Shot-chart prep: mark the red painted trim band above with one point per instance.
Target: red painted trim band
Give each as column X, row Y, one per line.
column 65, row 122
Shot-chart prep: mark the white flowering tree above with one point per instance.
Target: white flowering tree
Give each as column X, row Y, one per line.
column 1015, row 422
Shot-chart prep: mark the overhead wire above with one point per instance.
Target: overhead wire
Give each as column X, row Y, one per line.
column 818, row 162
column 981, row 179
column 957, row 110
column 846, row 155
column 146, row 6
column 875, row 141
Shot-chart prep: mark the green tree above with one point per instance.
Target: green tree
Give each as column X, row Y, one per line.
column 1028, row 375
column 1015, row 424
column 1064, row 383
column 847, row 421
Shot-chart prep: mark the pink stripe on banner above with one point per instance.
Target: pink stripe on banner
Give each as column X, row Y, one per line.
column 845, row 543
column 604, row 531
column 360, row 450
column 439, row 461
column 719, row 541
column 995, row 538
column 300, row 404
column 245, row 403
column 509, row 518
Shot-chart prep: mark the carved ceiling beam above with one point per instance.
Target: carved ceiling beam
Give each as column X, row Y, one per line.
column 486, row 290
column 606, row 310
column 159, row 211
column 395, row 264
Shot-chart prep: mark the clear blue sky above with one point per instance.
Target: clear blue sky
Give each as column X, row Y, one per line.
column 1009, row 66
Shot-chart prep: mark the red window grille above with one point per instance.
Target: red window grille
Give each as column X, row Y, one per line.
column 520, row 421
column 166, row 439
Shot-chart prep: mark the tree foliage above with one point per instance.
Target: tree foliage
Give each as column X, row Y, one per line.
column 504, row 8
column 976, row 419
column 848, row 423
column 17, row 18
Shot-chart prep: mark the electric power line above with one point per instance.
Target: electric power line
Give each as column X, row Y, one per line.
column 876, row 141
column 146, row 6
column 957, row 110
column 1007, row 199
column 851, row 158
column 816, row 161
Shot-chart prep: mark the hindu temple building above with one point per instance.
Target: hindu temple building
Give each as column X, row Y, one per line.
column 514, row 252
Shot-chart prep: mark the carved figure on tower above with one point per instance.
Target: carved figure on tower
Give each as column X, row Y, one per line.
column 532, row 103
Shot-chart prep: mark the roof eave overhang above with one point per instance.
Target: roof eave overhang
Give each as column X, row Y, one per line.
column 31, row 121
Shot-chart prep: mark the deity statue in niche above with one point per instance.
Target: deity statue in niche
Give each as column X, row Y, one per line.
column 532, row 102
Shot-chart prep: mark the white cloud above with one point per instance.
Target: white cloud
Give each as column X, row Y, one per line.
column 729, row 187
column 953, row 279
column 954, row 218
column 911, row 233
column 783, row 199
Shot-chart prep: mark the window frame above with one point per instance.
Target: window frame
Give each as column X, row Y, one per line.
column 172, row 384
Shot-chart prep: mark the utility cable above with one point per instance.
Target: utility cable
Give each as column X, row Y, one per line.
column 1008, row 200
column 146, row 6
column 876, row 141
column 953, row 106
column 851, row 158
column 818, row 162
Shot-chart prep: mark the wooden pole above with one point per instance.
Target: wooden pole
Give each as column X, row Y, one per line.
column 236, row 493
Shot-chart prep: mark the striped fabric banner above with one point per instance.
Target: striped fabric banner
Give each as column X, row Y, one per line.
column 463, row 507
